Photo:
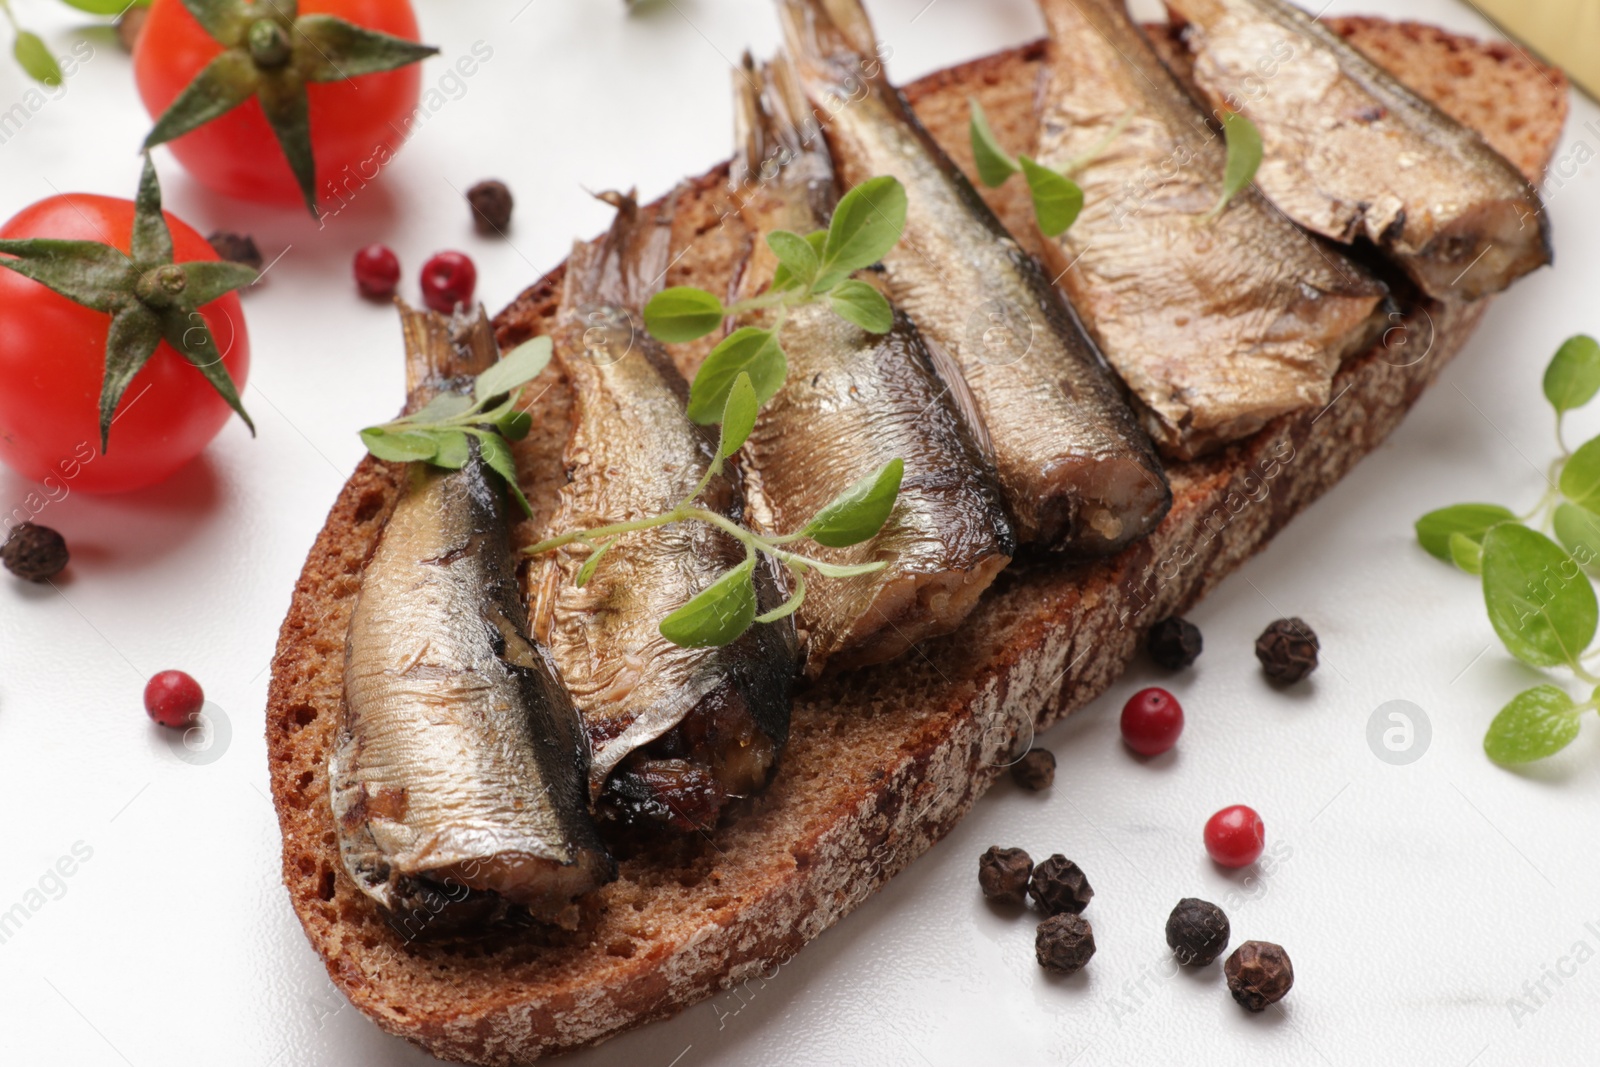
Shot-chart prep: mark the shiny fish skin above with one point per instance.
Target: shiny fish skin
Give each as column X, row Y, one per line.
column 1077, row 470
column 634, row 453
column 1216, row 325
column 460, row 763
column 853, row 402
column 1349, row 152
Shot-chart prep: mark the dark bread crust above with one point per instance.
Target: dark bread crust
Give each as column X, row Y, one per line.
column 881, row 763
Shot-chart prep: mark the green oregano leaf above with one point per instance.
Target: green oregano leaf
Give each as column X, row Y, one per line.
column 1243, row 142
column 453, row 449
column 859, row 303
column 497, row 454
column 738, row 416
column 1573, row 376
column 1057, row 199
column 782, row 279
column 718, row 614
column 867, row 224
column 994, row 165
column 406, row 446
column 1537, row 723
column 1472, row 520
column 682, row 313
column 1580, row 476
column 35, row 58
column 1578, row 530
column 586, row 571
column 747, row 350
column 1540, row 602
column 860, row 511
column 796, row 255
column 516, row 368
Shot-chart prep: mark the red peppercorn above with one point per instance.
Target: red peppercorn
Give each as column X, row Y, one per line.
column 1152, row 719
column 377, row 272
column 173, row 699
column 447, row 281
column 1235, row 836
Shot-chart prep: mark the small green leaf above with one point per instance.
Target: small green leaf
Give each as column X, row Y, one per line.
column 443, row 406
column 790, row 606
column 682, row 313
column 453, row 450
column 516, row 368
column 1467, row 553
column 35, row 58
column 1056, row 198
column 747, row 350
column 1578, row 530
column 1473, row 520
column 514, row 425
column 860, row 511
column 738, row 416
column 1244, row 156
column 1580, row 477
column 591, row 564
column 866, row 225
column 1537, row 723
column 718, row 614
column 994, row 165
column 1539, row 600
column 859, row 303
column 845, row 570
column 782, row 279
column 1573, row 376
column 102, row 7
column 497, row 454
column 796, row 255
column 407, row 446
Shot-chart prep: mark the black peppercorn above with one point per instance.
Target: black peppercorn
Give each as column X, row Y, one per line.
column 1064, row 943
column 491, row 207
column 236, row 248
column 1058, row 885
column 1197, row 931
column 1287, row 650
column 1036, row 769
column 36, row 553
column 1259, row 973
column 1173, row 643
column 1003, row 874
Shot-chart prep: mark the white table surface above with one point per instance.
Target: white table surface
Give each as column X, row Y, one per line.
column 1416, row 900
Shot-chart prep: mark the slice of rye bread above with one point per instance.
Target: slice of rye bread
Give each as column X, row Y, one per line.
column 881, row 762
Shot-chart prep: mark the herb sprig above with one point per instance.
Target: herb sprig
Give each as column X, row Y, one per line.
column 738, row 377
column 866, row 225
column 1243, row 142
column 1540, row 599
column 439, row 432
column 1057, row 199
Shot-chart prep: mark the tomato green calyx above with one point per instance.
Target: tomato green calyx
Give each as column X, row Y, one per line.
column 271, row 52
column 149, row 297
column 269, row 44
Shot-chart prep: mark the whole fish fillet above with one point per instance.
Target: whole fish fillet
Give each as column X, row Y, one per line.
column 1348, row 152
column 457, row 782
column 1216, row 324
column 854, row 401
column 674, row 732
column 1077, row 470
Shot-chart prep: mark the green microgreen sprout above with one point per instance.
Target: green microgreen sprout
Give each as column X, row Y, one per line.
column 1057, row 199
column 439, row 433
column 744, row 371
column 1538, row 590
column 1243, row 142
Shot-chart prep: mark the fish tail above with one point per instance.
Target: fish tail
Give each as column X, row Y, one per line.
column 834, row 38
column 628, row 265
column 444, row 350
column 774, row 128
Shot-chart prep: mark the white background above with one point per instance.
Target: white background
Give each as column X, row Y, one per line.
column 1415, row 900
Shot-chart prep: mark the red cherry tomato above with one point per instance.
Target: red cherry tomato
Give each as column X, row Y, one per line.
column 53, row 357
column 1152, row 719
column 356, row 125
column 1235, row 836
column 173, row 698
